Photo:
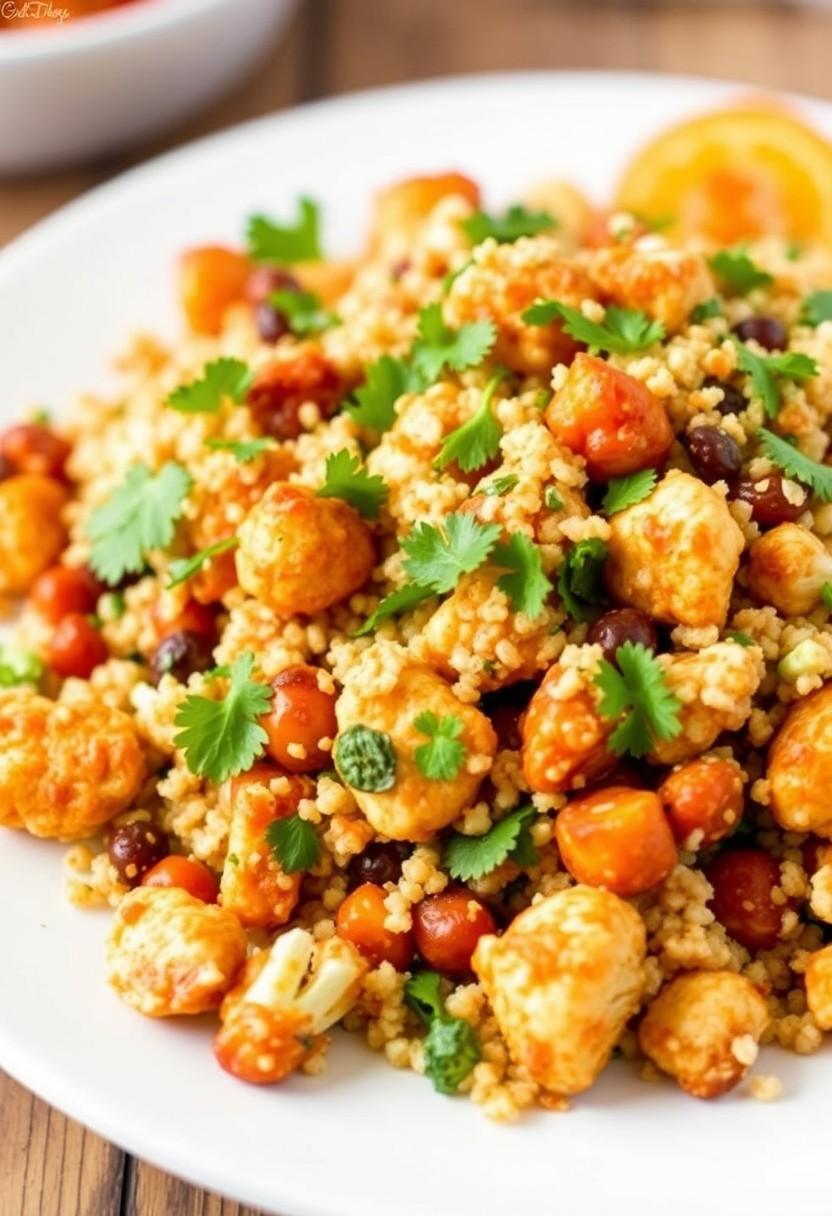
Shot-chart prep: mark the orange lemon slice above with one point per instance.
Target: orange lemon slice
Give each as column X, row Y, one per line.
column 733, row 174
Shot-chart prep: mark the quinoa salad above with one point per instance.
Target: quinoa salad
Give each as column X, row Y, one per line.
column 438, row 643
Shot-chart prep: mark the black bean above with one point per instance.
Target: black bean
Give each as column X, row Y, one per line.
column 134, row 848
column 621, row 625
column 379, row 863
column 769, row 504
column 714, row 454
column 180, row 654
column 767, row 331
column 732, row 401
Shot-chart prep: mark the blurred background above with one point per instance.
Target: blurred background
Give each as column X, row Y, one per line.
column 83, row 99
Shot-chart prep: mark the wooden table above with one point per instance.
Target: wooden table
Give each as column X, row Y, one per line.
column 50, row 1166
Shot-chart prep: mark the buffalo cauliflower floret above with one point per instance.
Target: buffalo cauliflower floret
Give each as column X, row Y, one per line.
column 564, row 736
column 403, row 208
column 288, row 996
column 502, row 281
column 662, row 282
column 31, row 532
column 300, row 553
column 800, row 766
column 703, row 1029
column 787, row 567
column 65, row 768
column 387, row 691
column 715, row 686
column 169, row 953
column 563, row 981
column 253, row 885
column 819, row 986
column 675, row 554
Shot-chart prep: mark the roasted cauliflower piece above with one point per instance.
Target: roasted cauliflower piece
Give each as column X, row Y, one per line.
column 253, row 885
column 703, row 1028
column 563, row 981
column 387, row 691
column 65, row 768
column 715, row 687
column 664, row 283
column 31, row 531
column 787, row 567
column 502, row 281
column 819, row 986
column 675, row 554
column 564, row 736
column 402, row 209
column 169, row 953
column 299, row 553
column 287, row 997
column 800, row 766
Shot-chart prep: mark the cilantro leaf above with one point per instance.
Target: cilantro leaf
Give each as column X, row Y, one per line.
column 637, row 689
column 764, row 370
column 220, row 379
column 183, row 568
column 706, row 310
column 622, row 331
column 347, row 479
column 18, row 666
column 826, row 596
column 498, row 486
column 423, row 995
column 817, row 307
column 623, row 492
column 738, row 272
column 742, row 639
column 366, row 758
column 223, row 738
column 243, row 450
column 303, row 310
column 451, row 1046
column 451, row 277
column 469, row 858
column 437, row 557
column 514, row 223
column 526, row 586
column 552, row 500
column 286, row 243
column 439, row 346
column 403, row 599
column 580, row 583
column 293, row 843
column 443, row 756
column 477, row 441
column 387, row 379
column 796, row 464
column 137, row 517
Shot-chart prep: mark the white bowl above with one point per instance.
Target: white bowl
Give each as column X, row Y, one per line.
column 362, row 1139
column 91, row 86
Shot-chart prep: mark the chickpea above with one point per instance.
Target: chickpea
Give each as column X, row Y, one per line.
column 183, row 873
column 401, row 209
column 800, row 766
column 564, row 738
column 703, row 800
column 301, row 716
column 502, row 282
column 674, row 555
column 386, row 691
column 743, row 881
column 665, row 283
column 76, row 647
column 30, row 447
column 609, row 418
column 211, row 278
column 692, row 1028
column 31, row 532
column 819, row 986
column 67, row 768
column 787, row 568
column 563, row 981
column 283, row 386
column 64, row 589
column 169, row 954
column 617, row 838
column 360, row 921
column 254, row 886
column 447, row 928
column 301, row 554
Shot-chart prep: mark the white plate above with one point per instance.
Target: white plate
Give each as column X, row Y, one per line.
column 362, row 1140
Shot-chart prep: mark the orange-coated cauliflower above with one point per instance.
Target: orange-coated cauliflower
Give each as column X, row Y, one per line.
column 787, row 567
column 800, row 766
column 287, row 997
column 563, row 981
column 402, row 209
column 169, row 953
column 65, row 768
column 664, row 283
column 675, row 554
column 31, row 532
column 387, row 691
column 819, row 986
column 564, row 736
column 300, row 553
column 703, row 1028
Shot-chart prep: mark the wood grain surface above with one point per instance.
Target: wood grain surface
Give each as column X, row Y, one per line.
column 50, row 1166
